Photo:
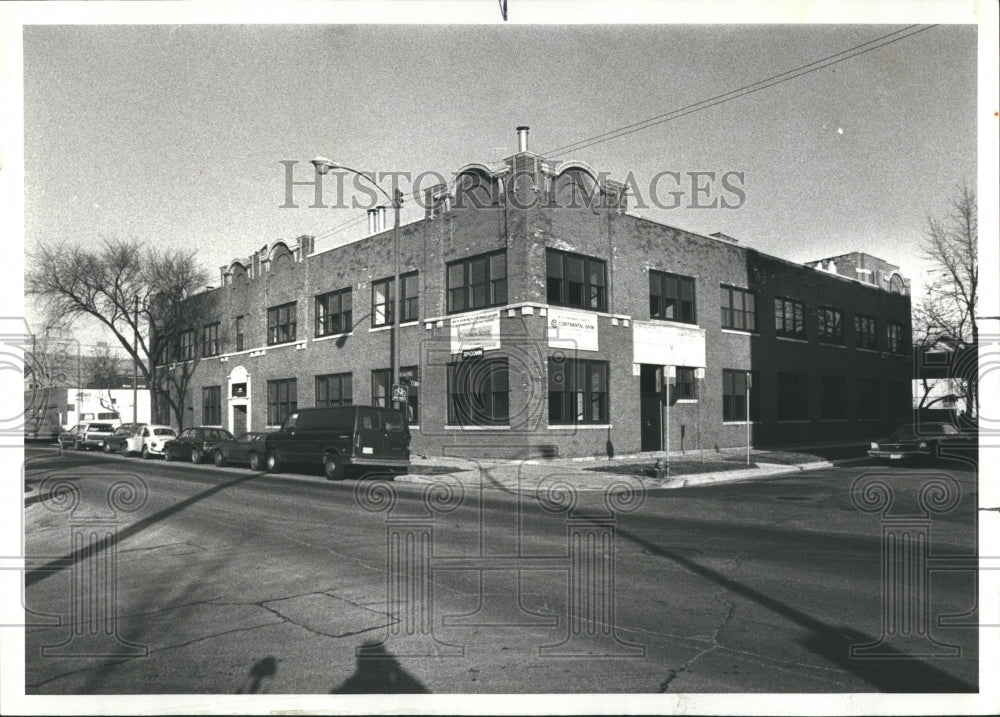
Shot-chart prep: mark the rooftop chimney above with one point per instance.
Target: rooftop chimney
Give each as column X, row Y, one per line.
column 372, row 221
column 381, row 218
column 522, row 139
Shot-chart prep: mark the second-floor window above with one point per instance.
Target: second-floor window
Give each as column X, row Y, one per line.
column 210, row 340
column 739, row 308
column 864, row 332
column 409, row 299
column 671, row 297
column 576, row 280
column 383, row 302
column 240, row 332
column 333, row 312
column 185, row 345
column 830, row 325
column 789, row 318
column 894, row 337
column 477, row 282
column 281, row 324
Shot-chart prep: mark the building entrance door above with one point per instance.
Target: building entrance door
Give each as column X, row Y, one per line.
column 650, row 407
column 239, row 420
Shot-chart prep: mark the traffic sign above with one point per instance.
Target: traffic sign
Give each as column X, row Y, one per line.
column 400, row 394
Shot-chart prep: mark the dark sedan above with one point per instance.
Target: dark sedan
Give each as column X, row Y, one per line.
column 195, row 444
column 919, row 441
column 239, row 449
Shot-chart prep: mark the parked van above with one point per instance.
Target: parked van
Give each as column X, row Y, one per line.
column 337, row 438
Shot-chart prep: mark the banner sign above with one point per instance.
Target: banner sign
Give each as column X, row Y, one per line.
column 572, row 330
column 666, row 344
column 476, row 330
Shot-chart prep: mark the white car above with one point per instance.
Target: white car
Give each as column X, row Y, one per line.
column 153, row 438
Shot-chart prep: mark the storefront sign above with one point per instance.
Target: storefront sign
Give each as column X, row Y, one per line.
column 477, row 330
column 572, row 330
column 664, row 344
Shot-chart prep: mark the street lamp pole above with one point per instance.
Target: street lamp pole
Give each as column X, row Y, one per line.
column 323, row 166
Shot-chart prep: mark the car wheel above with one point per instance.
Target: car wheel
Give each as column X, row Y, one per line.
column 333, row 467
column 77, row 446
column 166, row 455
column 255, row 463
column 195, row 456
column 145, row 452
column 273, row 462
column 107, row 448
column 219, row 460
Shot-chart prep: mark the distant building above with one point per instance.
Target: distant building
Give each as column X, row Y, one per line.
column 53, row 409
column 540, row 318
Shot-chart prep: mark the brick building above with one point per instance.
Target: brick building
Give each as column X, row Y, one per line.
column 538, row 317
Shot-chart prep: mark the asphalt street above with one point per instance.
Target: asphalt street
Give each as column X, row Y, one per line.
column 216, row 580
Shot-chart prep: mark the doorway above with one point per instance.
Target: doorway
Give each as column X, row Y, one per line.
column 651, row 407
column 239, row 420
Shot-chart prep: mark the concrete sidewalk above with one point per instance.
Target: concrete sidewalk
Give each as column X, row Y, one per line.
column 587, row 474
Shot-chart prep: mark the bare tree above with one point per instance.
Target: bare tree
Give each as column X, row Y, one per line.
column 133, row 290
column 945, row 317
column 102, row 368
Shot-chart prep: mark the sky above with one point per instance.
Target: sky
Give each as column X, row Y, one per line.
column 175, row 134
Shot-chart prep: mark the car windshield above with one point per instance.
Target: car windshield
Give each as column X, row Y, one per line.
column 100, row 427
column 164, row 432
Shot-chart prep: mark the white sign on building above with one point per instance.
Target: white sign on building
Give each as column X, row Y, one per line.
column 572, row 330
column 480, row 329
column 666, row 344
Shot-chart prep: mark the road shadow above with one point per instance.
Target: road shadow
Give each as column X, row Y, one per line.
column 55, row 565
column 378, row 672
column 259, row 672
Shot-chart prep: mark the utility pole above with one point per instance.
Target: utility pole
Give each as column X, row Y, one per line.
column 135, row 363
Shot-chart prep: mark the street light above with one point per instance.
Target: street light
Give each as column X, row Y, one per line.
column 323, row 166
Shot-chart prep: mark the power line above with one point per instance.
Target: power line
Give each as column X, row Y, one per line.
column 766, row 83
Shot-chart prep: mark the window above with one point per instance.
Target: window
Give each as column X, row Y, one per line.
column 833, row 397
column 410, row 297
column 867, row 395
column 830, row 325
column 383, row 302
column 864, row 332
column 410, row 377
column 894, row 337
column 575, row 280
column 281, row 324
column 185, row 345
column 335, row 389
column 210, row 340
column 282, row 399
column 789, row 318
column 734, row 395
column 739, row 308
column 333, row 312
column 578, row 391
column 684, row 385
column 240, row 336
column 671, row 297
column 478, row 393
column 793, row 397
column 211, row 405
column 380, row 387
column 477, row 282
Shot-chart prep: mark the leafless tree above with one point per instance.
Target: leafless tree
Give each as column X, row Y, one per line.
column 103, row 368
column 945, row 316
column 107, row 281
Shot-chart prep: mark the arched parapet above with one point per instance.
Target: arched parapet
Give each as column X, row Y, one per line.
column 476, row 187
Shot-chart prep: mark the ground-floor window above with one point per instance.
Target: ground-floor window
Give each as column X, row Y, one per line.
column 684, row 384
column 734, row 395
column 793, row 396
column 578, row 391
column 211, row 405
column 410, row 377
column 334, row 389
column 478, row 392
column 868, row 398
column 381, row 378
column 282, row 399
column 900, row 400
column 833, row 397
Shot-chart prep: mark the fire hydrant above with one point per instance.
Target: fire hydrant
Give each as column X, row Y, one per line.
column 661, row 468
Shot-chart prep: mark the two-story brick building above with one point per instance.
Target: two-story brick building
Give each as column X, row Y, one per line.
column 538, row 317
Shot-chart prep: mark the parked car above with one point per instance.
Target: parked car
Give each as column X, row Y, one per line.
column 238, row 449
column 195, row 444
column 152, row 439
column 336, row 439
column 86, row 435
column 919, row 441
column 119, row 441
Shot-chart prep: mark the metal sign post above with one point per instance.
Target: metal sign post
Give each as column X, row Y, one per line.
column 748, row 417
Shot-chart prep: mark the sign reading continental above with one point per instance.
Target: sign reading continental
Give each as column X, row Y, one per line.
column 478, row 330
column 572, row 330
